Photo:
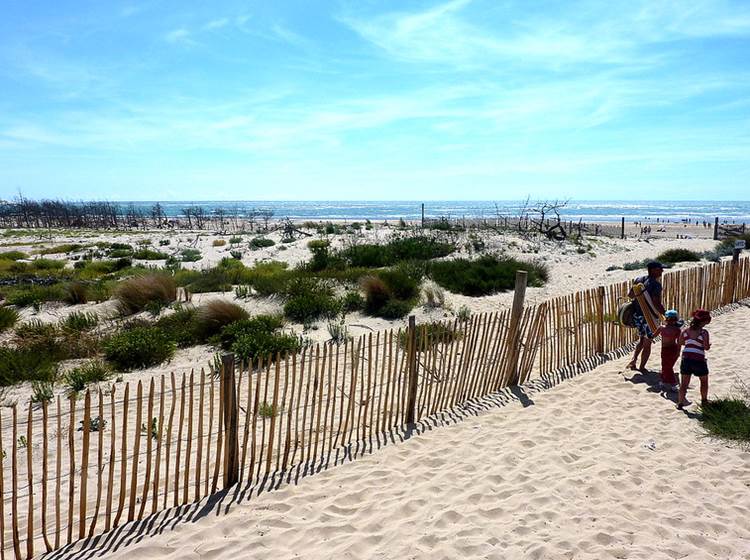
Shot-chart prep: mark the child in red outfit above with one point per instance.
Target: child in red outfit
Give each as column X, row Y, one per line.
column 670, row 349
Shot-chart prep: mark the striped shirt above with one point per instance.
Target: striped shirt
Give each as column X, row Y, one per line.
column 694, row 346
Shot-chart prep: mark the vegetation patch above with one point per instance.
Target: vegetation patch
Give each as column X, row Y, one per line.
column 261, row 242
column 190, row 255
column 251, row 339
column 150, row 255
column 13, row 256
column 25, row 364
column 213, row 316
column 139, row 347
column 485, row 276
column 726, row 247
column 145, row 292
column 727, row 419
column 8, row 318
column 678, row 255
column 309, row 299
column 420, row 248
column 95, row 371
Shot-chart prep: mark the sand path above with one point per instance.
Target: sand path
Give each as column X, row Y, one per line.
column 596, row 467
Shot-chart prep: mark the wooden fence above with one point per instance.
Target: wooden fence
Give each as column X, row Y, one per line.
column 77, row 467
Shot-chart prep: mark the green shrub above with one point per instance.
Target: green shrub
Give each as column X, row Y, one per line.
column 54, row 342
column 252, row 338
column 726, row 247
column 65, row 248
column 395, row 309
column 149, row 255
column 214, row 315
column 180, row 327
column 47, row 264
column 727, row 418
column 141, row 292
column 139, row 347
column 235, row 240
column 95, row 371
column 41, row 391
column 25, row 364
column 486, row 275
column 403, row 281
column 13, row 256
column 209, row 280
column 417, row 248
column 164, row 242
column 678, row 255
column 36, row 295
column 261, row 242
column 266, row 410
column 320, row 254
column 269, row 278
column 309, row 299
column 79, row 322
column 8, row 318
column 352, row 301
column 190, row 255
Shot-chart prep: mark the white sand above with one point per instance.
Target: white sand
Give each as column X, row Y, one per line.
column 596, row 467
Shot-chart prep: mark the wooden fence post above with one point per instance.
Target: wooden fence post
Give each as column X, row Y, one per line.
column 411, row 401
column 735, row 267
column 600, row 320
column 716, row 228
column 515, row 327
column 423, row 215
column 228, row 392
column 622, row 228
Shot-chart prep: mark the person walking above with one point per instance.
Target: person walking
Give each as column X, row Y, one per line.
column 652, row 285
column 695, row 342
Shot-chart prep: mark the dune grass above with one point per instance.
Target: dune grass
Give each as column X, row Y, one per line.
column 485, row 276
column 727, row 418
column 143, row 292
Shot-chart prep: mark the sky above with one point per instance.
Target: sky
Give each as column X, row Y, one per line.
column 366, row 100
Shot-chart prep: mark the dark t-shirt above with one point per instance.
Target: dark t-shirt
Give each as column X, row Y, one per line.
column 653, row 287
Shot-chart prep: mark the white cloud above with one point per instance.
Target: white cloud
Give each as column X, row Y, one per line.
column 216, row 24
column 176, row 36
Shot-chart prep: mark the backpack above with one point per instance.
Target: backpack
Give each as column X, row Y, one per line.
column 625, row 314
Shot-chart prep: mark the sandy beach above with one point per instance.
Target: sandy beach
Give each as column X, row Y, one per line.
column 598, row 466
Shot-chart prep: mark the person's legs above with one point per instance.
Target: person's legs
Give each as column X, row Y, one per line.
column 638, row 348
column 684, row 384
column 668, row 360
column 645, row 352
column 704, row 389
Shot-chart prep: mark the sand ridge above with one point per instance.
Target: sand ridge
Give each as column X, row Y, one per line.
column 599, row 466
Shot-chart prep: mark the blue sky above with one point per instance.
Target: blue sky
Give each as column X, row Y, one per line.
column 375, row 100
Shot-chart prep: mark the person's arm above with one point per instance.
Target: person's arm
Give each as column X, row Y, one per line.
column 706, row 341
column 658, row 330
column 657, row 304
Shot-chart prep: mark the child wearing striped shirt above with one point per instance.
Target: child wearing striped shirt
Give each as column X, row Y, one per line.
column 695, row 342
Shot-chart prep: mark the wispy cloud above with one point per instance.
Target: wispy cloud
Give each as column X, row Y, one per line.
column 178, row 36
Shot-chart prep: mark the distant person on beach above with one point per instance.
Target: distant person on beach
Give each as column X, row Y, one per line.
column 696, row 342
column 652, row 285
column 670, row 332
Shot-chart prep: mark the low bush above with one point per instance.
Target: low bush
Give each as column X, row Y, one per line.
column 309, row 299
column 25, row 364
column 180, row 327
column 214, row 315
column 8, row 318
column 41, row 391
column 149, row 255
column 139, row 347
column 261, row 242
column 352, row 301
column 190, row 255
column 219, row 242
column 726, row 247
column 484, row 276
column 13, row 256
column 320, row 249
column 142, row 292
column 678, row 255
column 727, row 418
column 59, row 249
column 419, row 248
column 251, row 339
column 48, row 264
column 235, row 240
column 79, row 322
column 95, row 371
column 36, row 295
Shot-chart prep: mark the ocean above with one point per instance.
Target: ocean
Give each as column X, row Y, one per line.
column 585, row 210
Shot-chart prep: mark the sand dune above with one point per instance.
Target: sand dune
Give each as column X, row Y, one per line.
column 599, row 466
